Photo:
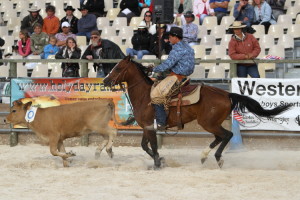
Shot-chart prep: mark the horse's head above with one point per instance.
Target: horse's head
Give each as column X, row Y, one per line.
column 117, row 74
column 126, row 70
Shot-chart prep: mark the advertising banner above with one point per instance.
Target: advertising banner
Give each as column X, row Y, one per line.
column 54, row 92
column 270, row 93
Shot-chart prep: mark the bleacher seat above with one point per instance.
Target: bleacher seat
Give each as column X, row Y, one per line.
column 123, row 48
column 108, row 31
column 92, row 73
column 3, row 30
column 128, row 42
column 288, row 3
column 148, row 57
column 225, row 40
column 135, row 22
column 199, row 72
column 294, row 30
column 199, row 51
column 210, row 22
column 285, row 20
column 102, row 22
column 112, row 13
column 297, row 19
column 227, row 21
column 293, row 11
column 218, row 51
column 119, row 22
column 277, row 50
column 276, row 30
column 260, row 30
column 208, row 41
column 81, row 40
column 218, row 31
column 202, row 30
column 144, row 10
column 287, row 41
column 115, row 39
column 40, row 70
column 262, row 52
column 4, row 71
column 262, row 70
column 208, row 65
column 108, row 4
column 125, row 32
column 56, row 71
column 216, row 72
column 267, row 41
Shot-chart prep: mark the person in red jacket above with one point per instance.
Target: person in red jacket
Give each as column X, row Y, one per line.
column 244, row 46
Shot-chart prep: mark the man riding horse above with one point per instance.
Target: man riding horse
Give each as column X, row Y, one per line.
column 181, row 64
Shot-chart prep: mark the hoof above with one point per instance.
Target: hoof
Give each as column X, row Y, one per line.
column 157, row 161
column 71, row 153
column 203, row 160
column 220, row 163
column 110, row 153
column 97, row 155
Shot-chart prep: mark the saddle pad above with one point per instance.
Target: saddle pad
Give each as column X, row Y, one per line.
column 192, row 98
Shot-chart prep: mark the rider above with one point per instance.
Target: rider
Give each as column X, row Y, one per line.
column 181, row 64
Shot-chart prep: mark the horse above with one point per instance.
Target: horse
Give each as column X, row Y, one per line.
column 214, row 106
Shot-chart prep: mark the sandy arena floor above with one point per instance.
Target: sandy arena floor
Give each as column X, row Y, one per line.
column 30, row 172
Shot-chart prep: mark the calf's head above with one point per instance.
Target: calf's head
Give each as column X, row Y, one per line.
column 18, row 112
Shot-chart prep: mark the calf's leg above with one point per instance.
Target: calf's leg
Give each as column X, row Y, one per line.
column 101, row 147
column 54, row 145
column 112, row 133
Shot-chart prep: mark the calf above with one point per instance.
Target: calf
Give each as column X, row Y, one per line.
column 54, row 124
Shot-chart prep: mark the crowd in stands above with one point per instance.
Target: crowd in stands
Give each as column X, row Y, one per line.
column 53, row 36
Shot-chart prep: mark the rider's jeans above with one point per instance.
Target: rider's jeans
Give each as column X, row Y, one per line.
column 160, row 114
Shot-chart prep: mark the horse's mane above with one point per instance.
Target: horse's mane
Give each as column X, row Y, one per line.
column 142, row 70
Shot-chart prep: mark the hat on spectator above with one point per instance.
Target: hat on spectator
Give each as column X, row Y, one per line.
column 82, row 7
column 176, row 31
column 69, row 8
column 237, row 24
column 34, row 9
column 65, row 24
column 189, row 14
column 142, row 25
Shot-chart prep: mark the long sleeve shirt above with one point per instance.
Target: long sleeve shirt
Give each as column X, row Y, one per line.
column 51, row 25
column 24, row 50
column 38, row 41
column 181, row 60
column 87, row 23
column 50, row 50
column 190, row 32
column 248, row 12
column 264, row 13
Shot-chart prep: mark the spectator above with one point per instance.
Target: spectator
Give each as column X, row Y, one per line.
column 30, row 20
column 87, row 23
column 51, row 48
column 24, row 43
column 165, row 45
column 62, row 37
column 182, row 6
column 148, row 20
column 263, row 14
column 70, row 51
column 51, row 22
column 129, row 9
column 140, row 42
column 38, row 40
column 144, row 3
column 71, row 19
column 2, row 42
column 277, row 7
column 202, row 9
column 244, row 46
column 190, row 30
column 102, row 49
column 220, row 7
column 95, row 7
column 244, row 12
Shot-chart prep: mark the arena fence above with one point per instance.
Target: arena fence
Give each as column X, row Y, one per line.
column 285, row 65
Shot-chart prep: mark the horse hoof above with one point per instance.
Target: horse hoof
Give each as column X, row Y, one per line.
column 203, row 160
column 97, row 155
column 220, row 163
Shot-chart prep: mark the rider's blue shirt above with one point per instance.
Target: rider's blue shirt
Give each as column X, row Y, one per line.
column 181, row 60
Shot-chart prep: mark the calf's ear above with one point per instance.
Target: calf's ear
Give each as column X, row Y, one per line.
column 27, row 105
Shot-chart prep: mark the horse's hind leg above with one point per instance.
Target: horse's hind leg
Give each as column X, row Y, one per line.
column 206, row 151
column 228, row 135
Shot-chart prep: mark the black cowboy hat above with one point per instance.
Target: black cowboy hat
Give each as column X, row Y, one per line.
column 82, row 7
column 176, row 31
column 189, row 14
column 69, row 8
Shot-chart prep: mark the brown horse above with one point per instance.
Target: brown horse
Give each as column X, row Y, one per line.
column 214, row 106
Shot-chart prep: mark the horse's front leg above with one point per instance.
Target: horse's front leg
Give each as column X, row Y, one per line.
column 150, row 136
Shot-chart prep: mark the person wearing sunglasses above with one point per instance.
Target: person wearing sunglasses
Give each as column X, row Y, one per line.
column 243, row 12
column 102, row 49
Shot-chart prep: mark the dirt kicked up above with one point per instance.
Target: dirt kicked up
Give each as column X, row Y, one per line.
column 30, row 172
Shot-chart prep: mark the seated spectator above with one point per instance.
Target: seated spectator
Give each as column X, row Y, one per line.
column 220, row 7
column 38, row 40
column 102, row 49
column 24, row 44
column 263, row 14
column 2, row 42
column 70, row 51
column 244, row 46
column 87, row 23
column 62, row 37
column 51, row 48
column 51, row 22
column 190, row 30
column 71, row 19
column 202, row 9
column 95, row 7
column 30, row 20
column 144, row 3
column 244, row 12
column 277, row 7
column 140, row 42
column 182, row 6
column 150, row 25
column 129, row 9
column 165, row 45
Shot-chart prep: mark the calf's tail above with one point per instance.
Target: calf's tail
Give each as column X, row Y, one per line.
column 129, row 121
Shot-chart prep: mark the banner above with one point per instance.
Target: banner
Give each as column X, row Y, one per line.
column 55, row 92
column 270, row 93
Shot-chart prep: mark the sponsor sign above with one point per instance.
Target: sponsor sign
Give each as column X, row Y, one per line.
column 270, row 93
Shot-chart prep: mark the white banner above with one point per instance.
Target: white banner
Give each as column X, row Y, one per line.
column 270, row 93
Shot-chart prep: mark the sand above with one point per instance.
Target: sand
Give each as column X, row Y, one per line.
column 30, row 172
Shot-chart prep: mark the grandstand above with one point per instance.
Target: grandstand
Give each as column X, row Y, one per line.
column 213, row 40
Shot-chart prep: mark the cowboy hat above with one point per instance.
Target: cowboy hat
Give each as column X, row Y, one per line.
column 142, row 25
column 69, row 8
column 176, row 31
column 189, row 14
column 237, row 24
column 82, row 7
column 34, row 9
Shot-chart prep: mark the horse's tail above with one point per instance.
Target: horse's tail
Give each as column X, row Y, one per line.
column 241, row 102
